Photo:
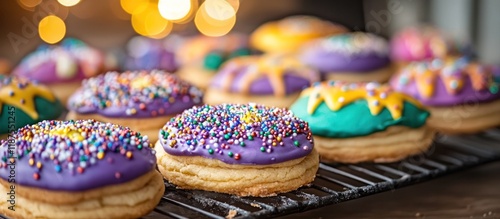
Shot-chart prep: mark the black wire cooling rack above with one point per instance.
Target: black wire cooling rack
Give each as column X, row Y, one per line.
column 337, row 183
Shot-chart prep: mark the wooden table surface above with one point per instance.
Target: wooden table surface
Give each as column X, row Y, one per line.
column 470, row 193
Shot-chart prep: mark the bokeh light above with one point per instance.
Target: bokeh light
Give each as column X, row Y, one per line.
column 210, row 26
column 68, row 3
column 51, row 29
column 131, row 5
column 147, row 21
column 174, row 9
column 29, row 3
column 219, row 9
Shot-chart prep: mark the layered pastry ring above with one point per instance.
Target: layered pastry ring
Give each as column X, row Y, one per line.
column 141, row 100
column 24, row 102
column 362, row 122
column 462, row 96
column 79, row 169
column 272, row 80
column 247, row 150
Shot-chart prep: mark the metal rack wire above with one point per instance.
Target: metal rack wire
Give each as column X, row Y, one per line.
column 337, row 182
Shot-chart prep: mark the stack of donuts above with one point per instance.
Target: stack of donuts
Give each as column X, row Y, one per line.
column 247, row 115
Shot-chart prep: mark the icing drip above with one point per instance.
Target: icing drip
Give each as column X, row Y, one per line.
column 452, row 72
column 337, row 95
column 273, row 67
column 21, row 93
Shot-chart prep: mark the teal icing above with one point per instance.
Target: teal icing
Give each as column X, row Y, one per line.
column 46, row 111
column 355, row 119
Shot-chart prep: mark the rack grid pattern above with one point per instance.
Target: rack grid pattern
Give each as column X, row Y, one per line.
column 336, row 183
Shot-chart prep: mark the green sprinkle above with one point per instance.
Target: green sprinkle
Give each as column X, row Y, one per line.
column 242, row 144
column 263, row 149
column 494, row 88
column 250, row 137
column 296, row 143
column 230, row 154
column 227, row 136
column 210, row 151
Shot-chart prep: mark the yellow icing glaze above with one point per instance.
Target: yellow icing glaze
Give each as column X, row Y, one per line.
column 290, row 33
column 72, row 134
column 425, row 77
column 27, row 93
column 340, row 95
column 272, row 66
column 141, row 83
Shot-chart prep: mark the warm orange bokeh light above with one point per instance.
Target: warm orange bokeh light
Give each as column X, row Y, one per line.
column 51, row 29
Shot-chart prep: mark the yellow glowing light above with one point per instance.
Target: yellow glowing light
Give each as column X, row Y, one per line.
column 147, row 21
column 209, row 26
column 131, row 5
column 29, row 3
column 190, row 15
column 235, row 4
column 174, row 9
column 51, row 29
column 114, row 5
column 164, row 33
column 68, row 3
column 219, row 9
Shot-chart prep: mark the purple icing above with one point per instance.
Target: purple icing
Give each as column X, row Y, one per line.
column 114, row 167
column 441, row 97
column 350, row 52
column 292, row 81
column 153, row 54
column 336, row 62
column 164, row 95
column 70, row 58
column 196, row 134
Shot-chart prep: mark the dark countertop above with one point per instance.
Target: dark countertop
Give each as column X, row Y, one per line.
column 470, row 193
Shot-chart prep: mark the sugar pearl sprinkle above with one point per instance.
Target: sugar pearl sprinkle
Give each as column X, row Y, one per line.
column 356, row 43
column 220, row 128
column 73, row 145
column 134, row 90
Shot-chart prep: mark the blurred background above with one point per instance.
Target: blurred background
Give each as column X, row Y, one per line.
column 109, row 24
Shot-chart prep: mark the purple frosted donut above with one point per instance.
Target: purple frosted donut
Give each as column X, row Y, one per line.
column 272, row 80
column 70, row 61
column 142, row 100
column 136, row 94
column 448, row 82
column 349, row 52
column 246, row 134
column 75, row 155
column 148, row 54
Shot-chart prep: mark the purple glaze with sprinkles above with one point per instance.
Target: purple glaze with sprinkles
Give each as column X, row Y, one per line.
column 246, row 134
column 76, row 155
column 138, row 94
column 350, row 52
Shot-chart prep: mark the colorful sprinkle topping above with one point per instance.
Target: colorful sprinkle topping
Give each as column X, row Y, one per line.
column 339, row 94
column 21, row 93
column 356, row 43
column 241, row 134
column 72, row 146
column 134, row 92
column 452, row 72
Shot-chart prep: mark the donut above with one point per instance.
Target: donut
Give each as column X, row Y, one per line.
column 272, row 80
column 78, row 169
column 363, row 122
column 149, row 54
column 202, row 56
column 141, row 100
column 245, row 150
column 350, row 57
column 462, row 96
column 23, row 102
column 288, row 34
column 61, row 67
